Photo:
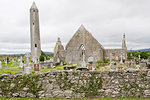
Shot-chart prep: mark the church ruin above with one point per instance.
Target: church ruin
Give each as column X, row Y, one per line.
column 84, row 44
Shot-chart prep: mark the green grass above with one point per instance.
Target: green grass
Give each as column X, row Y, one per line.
column 76, row 99
column 45, row 70
column 59, row 68
column 9, row 71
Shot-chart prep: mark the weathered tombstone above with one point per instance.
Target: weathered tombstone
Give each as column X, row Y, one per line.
column 45, row 59
column 139, row 57
column 51, row 59
column 61, row 63
column 6, row 62
column 138, row 67
column 143, row 65
column 69, row 62
column 21, row 64
column 121, row 60
column 131, row 66
column 12, row 60
column 27, row 68
column 112, row 66
column 0, row 66
column 94, row 65
column 51, row 65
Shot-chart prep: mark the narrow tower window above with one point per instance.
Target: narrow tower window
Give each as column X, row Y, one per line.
column 33, row 10
column 35, row 45
column 33, row 23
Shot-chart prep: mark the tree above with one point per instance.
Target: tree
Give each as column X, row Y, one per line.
column 41, row 58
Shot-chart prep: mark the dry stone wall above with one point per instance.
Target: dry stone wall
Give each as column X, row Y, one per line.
column 77, row 84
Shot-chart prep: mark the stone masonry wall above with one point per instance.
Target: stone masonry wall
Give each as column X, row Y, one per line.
column 77, row 84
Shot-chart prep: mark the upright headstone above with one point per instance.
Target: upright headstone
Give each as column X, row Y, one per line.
column 0, row 66
column 21, row 64
column 138, row 67
column 112, row 66
column 131, row 66
column 27, row 68
column 61, row 63
column 139, row 57
column 45, row 59
column 121, row 60
column 6, row 62
column 51, row 59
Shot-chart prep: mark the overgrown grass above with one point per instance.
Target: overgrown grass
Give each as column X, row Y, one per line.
column 46, row 70
column 9, row 71
column 76, row 99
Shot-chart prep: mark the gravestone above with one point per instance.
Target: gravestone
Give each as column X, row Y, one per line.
column 61, row 63
column 131, row 66
column 6, row 62
column 138, row 67
column 0, row 66
column 27, row 68
column 51, row 59
column 112, row 66
column 121, row 60
column 21, row 64
column 143, row 65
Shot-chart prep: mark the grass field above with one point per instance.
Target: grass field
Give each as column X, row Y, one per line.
column 76, row 99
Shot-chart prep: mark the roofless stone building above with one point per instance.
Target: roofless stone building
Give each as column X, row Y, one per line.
column 83, row 43
column 82, row 46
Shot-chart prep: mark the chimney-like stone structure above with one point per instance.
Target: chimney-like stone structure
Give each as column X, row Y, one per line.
column 35, row 32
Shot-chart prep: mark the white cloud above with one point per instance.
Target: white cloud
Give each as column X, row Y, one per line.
column 107, row 20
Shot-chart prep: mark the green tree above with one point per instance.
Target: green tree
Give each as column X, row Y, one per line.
column 41, row 58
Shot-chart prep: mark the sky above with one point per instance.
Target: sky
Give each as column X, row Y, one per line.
column 106, row 20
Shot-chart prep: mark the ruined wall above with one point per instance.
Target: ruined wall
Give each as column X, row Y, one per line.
column 74, row 47
column 115, row 53
column 76, row 84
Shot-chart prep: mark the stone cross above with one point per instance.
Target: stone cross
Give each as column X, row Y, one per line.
column 83, row 56
column 139, row 57
column 121, row 60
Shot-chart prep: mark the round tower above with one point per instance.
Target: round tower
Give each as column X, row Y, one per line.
column 35, row 32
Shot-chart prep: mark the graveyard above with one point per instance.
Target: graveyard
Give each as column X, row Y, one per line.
column 109, row 78
column 11, row 64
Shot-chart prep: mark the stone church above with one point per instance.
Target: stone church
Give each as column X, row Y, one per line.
column 83, row 46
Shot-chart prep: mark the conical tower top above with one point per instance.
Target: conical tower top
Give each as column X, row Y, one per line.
column 33, row 6
column 124, row 35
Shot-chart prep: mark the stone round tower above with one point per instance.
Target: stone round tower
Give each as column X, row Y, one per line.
column 35, row 32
